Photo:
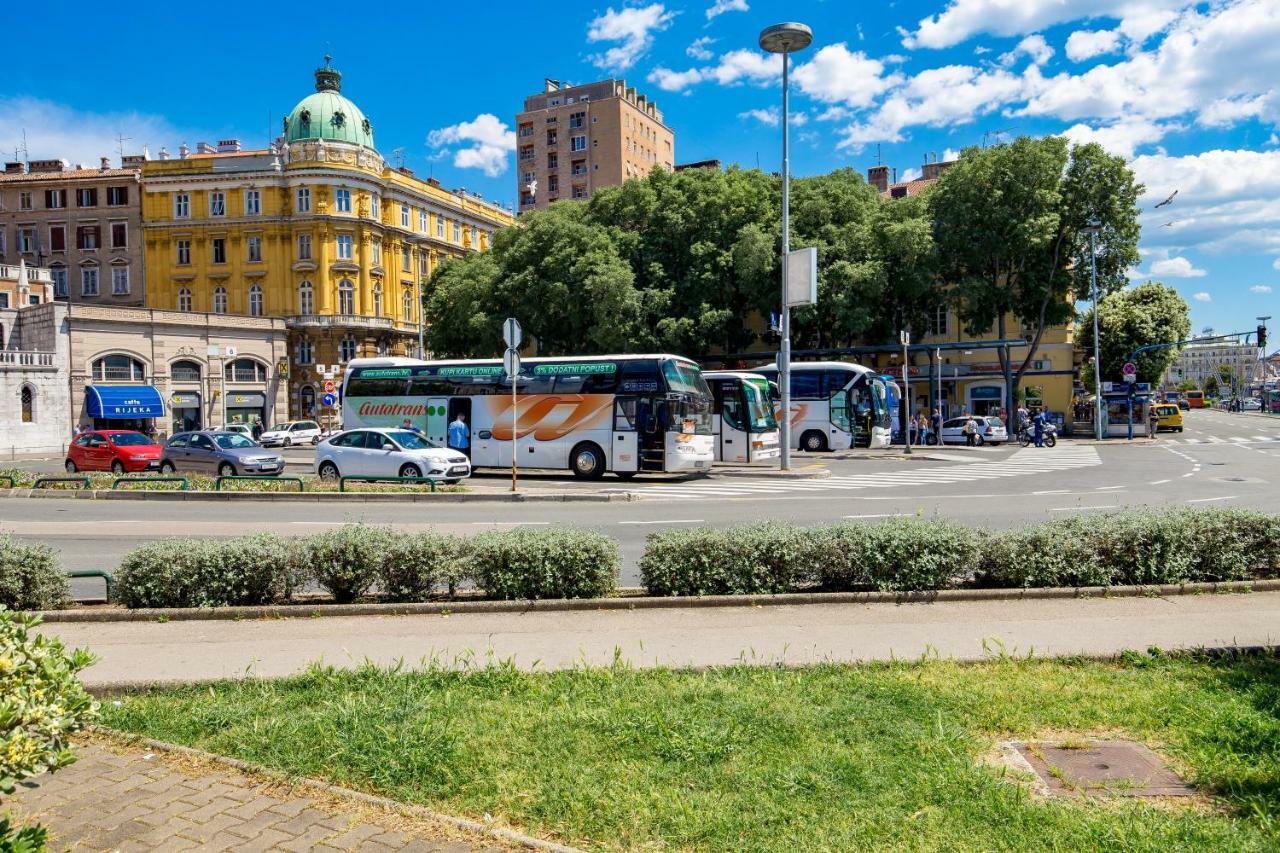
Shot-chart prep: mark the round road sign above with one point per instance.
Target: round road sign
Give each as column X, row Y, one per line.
column 1129, row 368
column 328, row 387
column 329, row 399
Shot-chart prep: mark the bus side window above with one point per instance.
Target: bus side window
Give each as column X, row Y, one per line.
column 833, row 382
column 600, row 383
column 624, row 414
column 731, row 408
column 568, row 385
column 806, row 386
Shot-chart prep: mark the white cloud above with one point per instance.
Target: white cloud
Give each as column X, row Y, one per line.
column 1177, row 267
column 1086, row 44
column 837, row 75
column 770, row 116
column 1121, row 137
column 736, row 66
column 910, row 174
column 1034, row 47
column 1202, row 297
column 633, row 27
column 963, row 19
column 722, row 6
column 675, row 81
column 1276, row 264
column 1260, row 288
column 492, row 143
column 55, row 131
column 698, row 50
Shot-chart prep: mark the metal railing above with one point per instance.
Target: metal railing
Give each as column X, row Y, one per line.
column 186, row 484
column 217, row 483
column 23, row 358
column 331, row 321
column 342, row 481
column 107, row 578
column 83, row 481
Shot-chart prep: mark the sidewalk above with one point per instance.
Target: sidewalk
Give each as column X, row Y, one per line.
column 133, row 653
column 118, row 797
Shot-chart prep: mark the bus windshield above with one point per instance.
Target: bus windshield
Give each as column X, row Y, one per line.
column 760, row 416
column 684, row 378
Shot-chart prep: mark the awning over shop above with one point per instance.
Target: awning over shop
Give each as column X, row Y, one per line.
column 123, row 401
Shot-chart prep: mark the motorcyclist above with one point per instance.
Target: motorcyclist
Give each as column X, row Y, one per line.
column 1038, row 423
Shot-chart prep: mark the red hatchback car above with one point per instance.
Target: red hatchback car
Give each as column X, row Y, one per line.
column 116, row 450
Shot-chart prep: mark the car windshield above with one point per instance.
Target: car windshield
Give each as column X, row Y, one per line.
column 410, row 440
column 759, row 409
column 131, row 439
column 232, row 441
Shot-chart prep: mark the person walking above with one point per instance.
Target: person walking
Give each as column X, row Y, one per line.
column 409, row 425
column 1038, row 424
column 937, row 426
column 971, row 432
column 460, row 435
column 922, row 428
column 256, row 429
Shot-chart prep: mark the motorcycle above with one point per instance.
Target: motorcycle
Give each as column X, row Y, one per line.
column 1027, row 435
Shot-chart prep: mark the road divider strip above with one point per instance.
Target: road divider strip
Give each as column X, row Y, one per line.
column 321, row 497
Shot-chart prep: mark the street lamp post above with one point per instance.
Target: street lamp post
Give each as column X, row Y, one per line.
column 1093, row 229
column 785, row 39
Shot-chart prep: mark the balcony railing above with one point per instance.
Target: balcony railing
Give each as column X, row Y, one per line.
column 338, row 321
column 21, row 358
column 9, row 272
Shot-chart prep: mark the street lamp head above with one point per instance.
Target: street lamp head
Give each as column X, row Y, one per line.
column 785, row 38
column 1093, row 226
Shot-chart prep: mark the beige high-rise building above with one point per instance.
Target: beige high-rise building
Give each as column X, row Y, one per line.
column 572, row 140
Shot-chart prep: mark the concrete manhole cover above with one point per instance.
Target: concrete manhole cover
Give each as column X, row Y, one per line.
column 1101, row 768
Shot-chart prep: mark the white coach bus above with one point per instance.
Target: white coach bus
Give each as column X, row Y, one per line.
column 834, row 404
column 744, row 423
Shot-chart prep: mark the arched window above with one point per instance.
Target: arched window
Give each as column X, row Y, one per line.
column 185, row 371
column 219, row 300
column 255, row 301
column 377, row 300
column 246, row 370
column 408, row 305
column 119, row 368
column 28, row 400
column 306, row 350
column 184, row 299
column 347, row 349
column 346, row 297
column 306, row 298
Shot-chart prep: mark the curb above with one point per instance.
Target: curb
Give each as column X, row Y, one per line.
column 316, row 497
column 434, row 608
column 338, row 792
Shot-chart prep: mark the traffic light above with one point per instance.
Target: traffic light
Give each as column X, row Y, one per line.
column 1262, row 337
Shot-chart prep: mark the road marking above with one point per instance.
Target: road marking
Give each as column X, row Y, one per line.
column 879, row 515
column 511, row 523
column 1053, row 492
column 1160, row 482
column 1082, row 508
column 1210, row 500
column 668, row 521
column 1188, row 474
column 1108, row 488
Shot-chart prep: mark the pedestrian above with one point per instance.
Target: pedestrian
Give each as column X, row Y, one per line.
column 75, row 432
column 922, row 428
column 256, row 429
column 937, row 425
column 971, row 432
column 409, row 425
column 1038, row 423
column 460, row 435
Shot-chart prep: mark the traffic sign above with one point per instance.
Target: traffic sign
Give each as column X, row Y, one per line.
column 329, row 399
column 328, row 386
column 1129, row 367
column 511, row 362
column 512, row 333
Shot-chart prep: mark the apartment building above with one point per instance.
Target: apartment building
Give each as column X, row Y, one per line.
column 572, row 140
column 1197, row 362
column 83, row 224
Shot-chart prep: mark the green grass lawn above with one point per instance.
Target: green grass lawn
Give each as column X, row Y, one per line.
column 824, row 758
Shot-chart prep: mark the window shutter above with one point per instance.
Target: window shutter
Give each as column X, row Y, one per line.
column 48, row 198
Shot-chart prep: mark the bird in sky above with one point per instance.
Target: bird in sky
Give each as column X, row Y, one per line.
column 1167, row 225
column 1168, row 200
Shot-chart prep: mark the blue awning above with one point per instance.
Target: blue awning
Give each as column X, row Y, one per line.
column 124, row 401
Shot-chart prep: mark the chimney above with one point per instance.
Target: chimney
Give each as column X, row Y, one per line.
column 895, row 174
column 13, row 168
column 936, row 168
column 878, row 177
column 549, row 85
column 105, row 163
column 34, row 166
column 434, row 182
column 228, row 146
column 184, row 151
column 205, row 148
column 164, row 153
column 133, row 161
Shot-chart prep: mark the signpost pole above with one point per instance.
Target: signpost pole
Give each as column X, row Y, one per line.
column 512, row 334
column 906, row 397
column 514, row 441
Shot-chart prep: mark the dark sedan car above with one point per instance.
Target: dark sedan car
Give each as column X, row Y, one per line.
column 222, row 453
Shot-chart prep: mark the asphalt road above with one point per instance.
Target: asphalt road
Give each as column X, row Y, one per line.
column 1220, row 460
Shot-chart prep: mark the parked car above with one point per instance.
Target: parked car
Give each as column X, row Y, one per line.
column 388, row 453
column 219, row 452
column 1251, row 404
column 1168, row 416
column 291, row 433
column 991, row 430
column 117, row 450
column 240, row 429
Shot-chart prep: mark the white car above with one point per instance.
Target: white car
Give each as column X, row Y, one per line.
column 293, row 432
column 991, row 431
column 1251, row 404
column 239, row 429
column 388, row 453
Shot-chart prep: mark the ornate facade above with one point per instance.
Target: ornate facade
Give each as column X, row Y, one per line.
column 317, row 229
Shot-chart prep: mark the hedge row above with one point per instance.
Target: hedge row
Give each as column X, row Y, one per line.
column 355, row 561
column 1141, row 547
column 30, row 576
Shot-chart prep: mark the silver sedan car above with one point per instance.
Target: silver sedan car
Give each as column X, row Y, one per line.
column 223, row 453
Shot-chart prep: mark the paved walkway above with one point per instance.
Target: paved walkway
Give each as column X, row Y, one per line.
column 128, row 799
column 133, row 652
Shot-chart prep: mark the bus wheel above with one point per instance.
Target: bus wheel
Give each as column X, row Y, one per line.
column 587, row 462
column 813, row 441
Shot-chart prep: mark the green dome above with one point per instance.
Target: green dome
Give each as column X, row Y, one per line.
column 327, row 114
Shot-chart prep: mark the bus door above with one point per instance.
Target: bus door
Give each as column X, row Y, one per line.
column 733, row 441
column 461, row 406
column 438, row 420
column 626, row 438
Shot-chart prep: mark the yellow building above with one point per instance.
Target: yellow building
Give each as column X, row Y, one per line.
column 317, row 229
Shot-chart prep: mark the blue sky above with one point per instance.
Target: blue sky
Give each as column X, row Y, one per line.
column 1189, row 91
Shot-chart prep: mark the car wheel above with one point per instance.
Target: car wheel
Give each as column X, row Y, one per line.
column 71, row 467
column 329, row 471
column 167, row 468
column 587, row 462
column 117, row 467
column 288, row 442
column 813, row 441
column 315, row 440
column 410, row 471
column 226, row 469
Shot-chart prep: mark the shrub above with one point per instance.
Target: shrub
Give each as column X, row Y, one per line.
column 30, row 577
column 1059, row 553
column 259, row 569
column 532, row 564
column 756, row 559
column 414, row 566
column 345, row 561
column 900, row 554
column 41, row 702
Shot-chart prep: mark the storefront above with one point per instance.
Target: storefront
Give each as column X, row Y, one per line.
column 243, row 407
column 985, row 399
column 133, row 407
column 184, row 407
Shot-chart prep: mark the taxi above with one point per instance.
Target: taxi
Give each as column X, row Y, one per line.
column 1168, row 416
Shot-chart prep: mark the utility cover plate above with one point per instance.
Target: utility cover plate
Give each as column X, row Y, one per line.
column 1103, row 768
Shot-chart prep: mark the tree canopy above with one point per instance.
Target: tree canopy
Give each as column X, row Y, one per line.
column 1150, row 313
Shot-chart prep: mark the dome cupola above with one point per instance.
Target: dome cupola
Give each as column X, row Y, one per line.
column 327, row 114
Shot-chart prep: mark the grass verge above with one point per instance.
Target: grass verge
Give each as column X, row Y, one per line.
column 881, row 756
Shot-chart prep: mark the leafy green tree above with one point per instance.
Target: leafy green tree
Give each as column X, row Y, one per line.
column 1226, row 377
column 1187, row 385
column 1009, row 223
column 1151, row 313
column 1211, row 386
column 463, row 319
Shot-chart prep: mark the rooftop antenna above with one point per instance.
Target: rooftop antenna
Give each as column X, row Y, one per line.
column 120, row 141
column 997, row 134
column 21, row 152
column 398, row 153
column 878, row 160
